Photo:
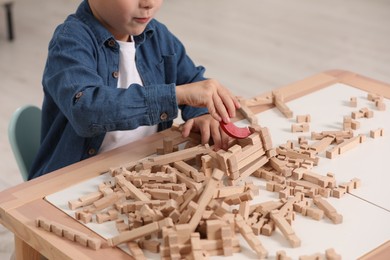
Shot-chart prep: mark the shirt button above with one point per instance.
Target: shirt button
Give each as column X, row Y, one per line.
column 115, row 74
column 78, row 96
column 164, row 116
column 111, row 43
column 91, row 151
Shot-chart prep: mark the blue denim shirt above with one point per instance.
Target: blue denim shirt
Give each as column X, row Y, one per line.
column 81, row 98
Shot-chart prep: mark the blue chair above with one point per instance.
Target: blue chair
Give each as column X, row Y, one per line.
column 24, row 133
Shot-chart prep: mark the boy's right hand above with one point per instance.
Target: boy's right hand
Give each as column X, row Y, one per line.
column 209, row 93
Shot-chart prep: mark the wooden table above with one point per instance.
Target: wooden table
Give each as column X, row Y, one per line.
column 22, row 204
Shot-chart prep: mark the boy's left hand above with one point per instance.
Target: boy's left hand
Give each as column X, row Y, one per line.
column 208, row 128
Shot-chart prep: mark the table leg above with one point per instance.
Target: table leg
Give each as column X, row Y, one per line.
column 24, row 251
column 8, row 10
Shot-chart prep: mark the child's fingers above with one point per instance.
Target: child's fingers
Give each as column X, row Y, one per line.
column 229, row 101
column 204, row 128
column 224, row 140
column 221, row 108
column 226, row 103
column 187, row 128
column 216, row 134
column 213, row 111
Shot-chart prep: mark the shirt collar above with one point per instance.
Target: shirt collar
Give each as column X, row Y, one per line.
column 84, row 13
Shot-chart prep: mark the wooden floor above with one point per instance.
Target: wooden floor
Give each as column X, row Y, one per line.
column 251, row 48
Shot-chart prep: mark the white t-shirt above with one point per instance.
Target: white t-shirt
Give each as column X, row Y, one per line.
column 128, row 74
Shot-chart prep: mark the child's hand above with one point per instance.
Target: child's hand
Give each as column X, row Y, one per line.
column 208, row 128
column 209, row 93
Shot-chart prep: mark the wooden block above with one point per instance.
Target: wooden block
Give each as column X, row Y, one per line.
column 205, row 198
column 356, row 183
column 279, row 103
column 256, row 228
column 187, row 213
column 181, row 155
column 251, row 168
column 188, row 196
column 357, row 115
column 135, row 250
column 270, row 186
column 300, row 128
column 380, row 105
column 138, row 194
column 303, row 118
column 85, row 200
column 332, row 153
column 150, row 245
column 285, row 228
column 331, row 254
column 183, row 232
column 266, row 138
column 167, row 145
column 248, row 114
column 320, row 180
column 267, row 229
column 294, row 154
column 223, row 192
column 244, row 209
column 353, row 102
column 83, row 216
column 227, row 240
column 343, row 134
column 245, row 159
column 208, row 163
column 322, row 144
column 121, row 226
column 139, row 232
column 348, row 144
column 355, row 124
column 189, row 182
column 196, row 246
column 313, row 213
column 250, row 237
column 238, row 198
column 328, row 209
column 281, row 255
column 213, row 228
column 377, row 133
column 372, row 96
column 189, row 171
column 338, row 192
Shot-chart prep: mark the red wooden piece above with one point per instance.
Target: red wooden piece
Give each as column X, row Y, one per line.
column 233, row 131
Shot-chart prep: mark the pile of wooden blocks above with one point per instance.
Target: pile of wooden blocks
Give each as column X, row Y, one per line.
column 179, row 203
column 191, row 203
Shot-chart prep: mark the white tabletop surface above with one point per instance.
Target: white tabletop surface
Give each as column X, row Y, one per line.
column 327, row 107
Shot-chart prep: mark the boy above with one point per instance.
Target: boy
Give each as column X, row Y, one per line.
column 114, row 75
